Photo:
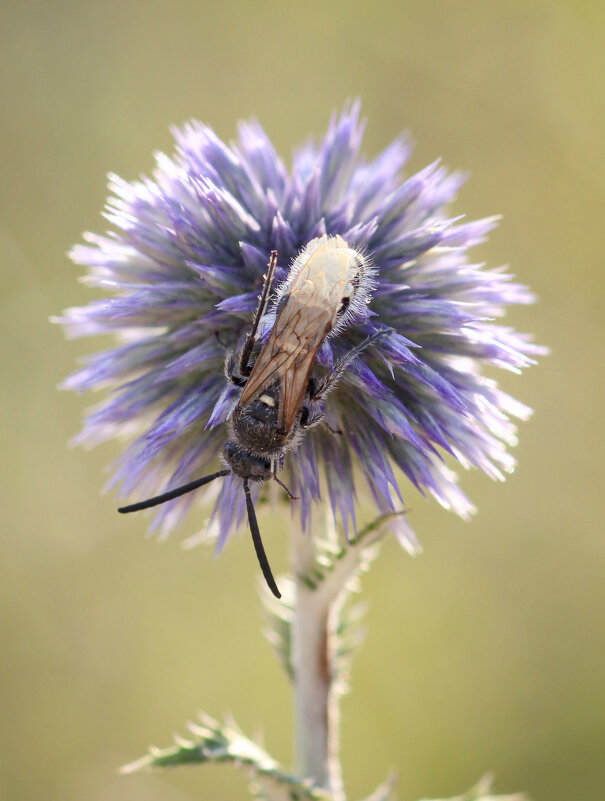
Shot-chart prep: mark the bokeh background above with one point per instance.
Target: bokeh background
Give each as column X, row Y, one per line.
column 486, row 653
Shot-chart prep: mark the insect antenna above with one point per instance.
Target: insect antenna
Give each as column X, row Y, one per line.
column 173, row 493
column 258, row 543
column 262, row 305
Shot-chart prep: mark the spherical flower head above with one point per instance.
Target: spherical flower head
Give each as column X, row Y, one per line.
column 184, row 266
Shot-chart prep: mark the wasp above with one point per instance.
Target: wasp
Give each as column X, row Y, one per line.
column 328, row 285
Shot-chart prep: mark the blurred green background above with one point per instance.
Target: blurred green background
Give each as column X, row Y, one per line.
column 488, row 652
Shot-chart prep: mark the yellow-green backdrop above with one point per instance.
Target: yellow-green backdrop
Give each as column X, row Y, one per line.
column 485, row 653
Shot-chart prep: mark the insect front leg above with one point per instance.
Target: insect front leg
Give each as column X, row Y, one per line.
column 231, row 361
column 232, row 372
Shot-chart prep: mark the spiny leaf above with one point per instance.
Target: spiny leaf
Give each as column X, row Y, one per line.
column 481, row 792
column 335, row 563
column 212, row 742
column 385, row 791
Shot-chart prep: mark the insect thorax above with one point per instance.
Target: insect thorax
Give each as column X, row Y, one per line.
column 255, row 425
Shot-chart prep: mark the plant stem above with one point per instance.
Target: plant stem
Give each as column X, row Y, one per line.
column 316, row 694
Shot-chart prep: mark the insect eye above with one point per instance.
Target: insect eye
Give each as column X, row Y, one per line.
column 344, row 305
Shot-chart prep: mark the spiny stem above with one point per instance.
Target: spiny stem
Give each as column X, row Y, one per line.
column 317, row 719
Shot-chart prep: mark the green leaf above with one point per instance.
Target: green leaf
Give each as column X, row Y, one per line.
column 335, row 563
column 385, row 791
column 211, row 741
column 481, row 792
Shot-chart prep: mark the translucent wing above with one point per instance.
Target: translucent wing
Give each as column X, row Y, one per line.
column 288, row 356
column 325, row 274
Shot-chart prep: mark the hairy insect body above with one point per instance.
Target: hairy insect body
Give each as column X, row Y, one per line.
column 255, row 426
column 246, row 464
column 315, row 301
column 328, row 286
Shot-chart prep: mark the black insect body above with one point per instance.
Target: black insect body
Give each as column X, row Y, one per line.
column 328, row 284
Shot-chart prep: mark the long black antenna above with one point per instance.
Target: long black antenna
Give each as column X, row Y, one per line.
column 258, row 543
column 174, row 493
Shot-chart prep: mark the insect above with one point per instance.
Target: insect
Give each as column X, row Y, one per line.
column 328, row 285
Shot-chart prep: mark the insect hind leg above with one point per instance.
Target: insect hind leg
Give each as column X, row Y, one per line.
column 318, row 391
column 311, row 419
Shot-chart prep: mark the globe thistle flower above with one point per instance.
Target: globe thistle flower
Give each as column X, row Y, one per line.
column 184, row 266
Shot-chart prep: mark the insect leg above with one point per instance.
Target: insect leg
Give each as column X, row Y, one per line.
column 283, row 486
column 220, row 342
column 318, row 391
column 308, row 420
column 263, row 299
column 258, row 543
column 230, row 364
column 231, row 373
